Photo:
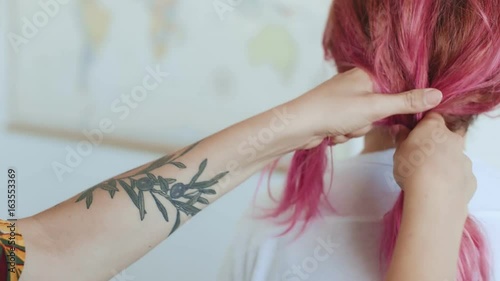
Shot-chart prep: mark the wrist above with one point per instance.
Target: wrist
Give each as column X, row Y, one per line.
column 271, row 134
column 301, row 130
column 308, row 130
column 435, row 203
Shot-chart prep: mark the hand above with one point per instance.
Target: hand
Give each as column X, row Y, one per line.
column 429, row 163
column 437, row 179
column 345, row 107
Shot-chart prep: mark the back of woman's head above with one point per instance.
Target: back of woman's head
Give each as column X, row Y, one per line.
column 453, row 46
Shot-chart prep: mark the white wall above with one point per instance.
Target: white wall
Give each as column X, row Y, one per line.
column 483, row 139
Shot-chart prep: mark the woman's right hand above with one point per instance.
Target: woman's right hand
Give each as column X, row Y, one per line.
column 430, row 165
column 438, row 183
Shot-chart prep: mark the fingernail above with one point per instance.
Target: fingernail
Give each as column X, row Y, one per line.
column 432, row 97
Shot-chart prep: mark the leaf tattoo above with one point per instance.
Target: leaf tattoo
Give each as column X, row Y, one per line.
column 183, row 196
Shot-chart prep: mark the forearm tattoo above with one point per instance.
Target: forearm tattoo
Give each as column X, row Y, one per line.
column 183, row 196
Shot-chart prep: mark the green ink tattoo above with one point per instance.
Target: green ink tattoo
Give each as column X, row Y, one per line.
column 183, row 196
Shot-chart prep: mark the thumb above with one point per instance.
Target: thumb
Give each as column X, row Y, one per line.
column 414, row 101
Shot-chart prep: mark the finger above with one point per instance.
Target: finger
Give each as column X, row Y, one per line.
column 473, row 184
column 468, row 163
column 340, row 139
column 432, row 120
column 414, row 101
column 434, row 116
column 360, row 132
column 401, row 134
column 436, row 124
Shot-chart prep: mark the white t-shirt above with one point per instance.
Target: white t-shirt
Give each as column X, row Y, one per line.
column 345, row 246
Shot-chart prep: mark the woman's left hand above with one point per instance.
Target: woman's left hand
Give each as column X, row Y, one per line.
column 345, row 107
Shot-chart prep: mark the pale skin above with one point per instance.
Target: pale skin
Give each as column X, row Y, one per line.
column 90, row 235
column 436, row 197
column 437, row 193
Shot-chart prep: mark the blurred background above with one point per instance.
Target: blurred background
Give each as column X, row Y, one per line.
column 139, row 79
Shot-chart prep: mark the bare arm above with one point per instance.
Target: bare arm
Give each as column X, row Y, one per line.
column 112, row 224
column 106, row 228
column 429, row 241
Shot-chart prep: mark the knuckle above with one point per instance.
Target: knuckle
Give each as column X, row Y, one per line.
column 458, row 140
column 434, row 120
column 468, row 162
column 472, row 185
column 431, row 123
column 411, row 100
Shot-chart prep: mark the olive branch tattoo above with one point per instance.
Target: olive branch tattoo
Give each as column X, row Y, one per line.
column 144, row 181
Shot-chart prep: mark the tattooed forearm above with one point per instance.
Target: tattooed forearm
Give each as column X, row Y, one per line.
column 183, row 196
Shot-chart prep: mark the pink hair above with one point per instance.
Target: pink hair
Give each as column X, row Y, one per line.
column 449, row 45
